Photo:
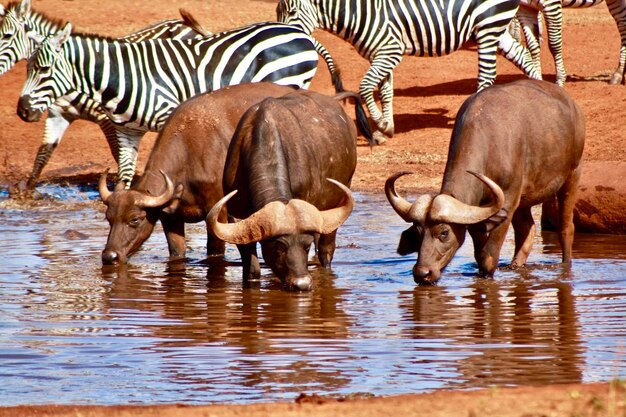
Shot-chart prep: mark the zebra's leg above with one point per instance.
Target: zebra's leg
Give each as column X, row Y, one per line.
column 128, row 146
column 386, row 101
column 487, row 62
column 528, row 19
column 55, row 126
column 514, row 52
column 110, row 133
column 618, row 11
column 553, row 14
column 382, row 66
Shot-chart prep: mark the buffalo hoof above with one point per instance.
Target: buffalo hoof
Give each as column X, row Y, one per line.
column 299, row 284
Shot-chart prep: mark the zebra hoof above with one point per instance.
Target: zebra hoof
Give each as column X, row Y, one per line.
column 379, row 138
column 385, row 128
column 616, row 79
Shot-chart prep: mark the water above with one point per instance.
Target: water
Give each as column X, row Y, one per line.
column 73, row 331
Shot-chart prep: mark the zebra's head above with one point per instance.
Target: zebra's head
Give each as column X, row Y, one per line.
column 49, row 76
column 300, row 13
column 14, row 43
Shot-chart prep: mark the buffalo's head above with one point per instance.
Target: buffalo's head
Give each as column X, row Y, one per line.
column 131, row 215
column 285, row 231
column 438, row 225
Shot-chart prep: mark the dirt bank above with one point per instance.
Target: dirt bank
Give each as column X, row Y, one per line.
column 554, row 401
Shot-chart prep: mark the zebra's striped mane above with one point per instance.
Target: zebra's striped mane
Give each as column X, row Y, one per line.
column 39, row 16
column 96, row 36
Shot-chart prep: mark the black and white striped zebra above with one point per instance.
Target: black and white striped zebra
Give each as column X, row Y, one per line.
column 384, row 30
column 552, row 10
column 18, row 19
column 139, row 84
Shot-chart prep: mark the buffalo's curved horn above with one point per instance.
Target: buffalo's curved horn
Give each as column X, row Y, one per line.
column 105, row 193
column 159, row 200
column 447, row 209
column 277, row 218
column 410, row 212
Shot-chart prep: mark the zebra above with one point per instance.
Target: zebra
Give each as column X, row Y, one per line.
column 15, row 45
column 139, row 84
column 384, row 30
column 552, row 10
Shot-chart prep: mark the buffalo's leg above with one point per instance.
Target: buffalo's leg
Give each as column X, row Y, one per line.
column 214, row 246
column 250, row 261
column 567, row 199
column 175, row 234
column 524, row 228
column 326, row 248
column 489, row 255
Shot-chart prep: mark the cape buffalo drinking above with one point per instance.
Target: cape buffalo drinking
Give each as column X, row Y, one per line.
column 183, row 176
column 524, row 141
column 277, row 167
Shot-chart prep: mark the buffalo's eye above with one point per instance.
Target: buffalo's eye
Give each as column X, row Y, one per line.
column 134, row 222
column 444, row 234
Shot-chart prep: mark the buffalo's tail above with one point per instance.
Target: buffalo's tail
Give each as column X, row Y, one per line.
column 361, row 118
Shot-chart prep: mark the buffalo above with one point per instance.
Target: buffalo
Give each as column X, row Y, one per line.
column 183, row 176
column 288, row 172
column 513, row 146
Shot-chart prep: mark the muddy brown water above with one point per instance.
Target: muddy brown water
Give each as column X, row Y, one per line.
column 72, row 331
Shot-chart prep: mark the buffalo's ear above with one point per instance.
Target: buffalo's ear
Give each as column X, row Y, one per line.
column 410, row 241
column 175, row 201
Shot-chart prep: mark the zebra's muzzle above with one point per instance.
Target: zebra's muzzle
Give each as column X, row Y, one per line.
column 25, row 112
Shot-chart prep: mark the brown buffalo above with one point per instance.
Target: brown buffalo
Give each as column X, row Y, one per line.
column 276, row 172
column 183, row 176
column 523, row 143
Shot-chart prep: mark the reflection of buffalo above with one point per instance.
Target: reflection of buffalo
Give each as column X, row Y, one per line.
column 278, row 163
column 183, row 176
column 524, row 141
column 523, row 333
column 256, row 335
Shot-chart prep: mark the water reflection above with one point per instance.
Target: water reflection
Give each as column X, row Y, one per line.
column 266, row 328
column 73, row 331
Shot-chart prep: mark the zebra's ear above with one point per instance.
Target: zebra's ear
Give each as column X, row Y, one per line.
column 37, row 37
column 24, row 8
column 1, row 11
column 58, row 39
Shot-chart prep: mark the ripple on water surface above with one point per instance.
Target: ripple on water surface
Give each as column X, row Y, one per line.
column 73, row 331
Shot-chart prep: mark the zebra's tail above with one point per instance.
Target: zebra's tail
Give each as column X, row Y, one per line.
column 336, row 80
column 191, row 21
column 335, row 75
column 361, row 118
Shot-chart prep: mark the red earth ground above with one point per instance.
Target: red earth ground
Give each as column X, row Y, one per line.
column 428, row 93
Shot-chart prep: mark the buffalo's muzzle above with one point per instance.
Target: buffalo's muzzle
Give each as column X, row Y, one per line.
column 25, row 112
column 424, row 275
column 302, row 283
column 110, row 257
